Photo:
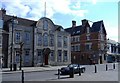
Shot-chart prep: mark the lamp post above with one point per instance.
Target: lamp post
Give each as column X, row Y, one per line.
column 21, row 46
column 13, row 21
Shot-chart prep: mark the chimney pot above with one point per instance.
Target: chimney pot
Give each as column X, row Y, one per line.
column 84, row 22
column 73, row 23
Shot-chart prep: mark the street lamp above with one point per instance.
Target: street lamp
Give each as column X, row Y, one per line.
column 21, row 46
column 13, row 22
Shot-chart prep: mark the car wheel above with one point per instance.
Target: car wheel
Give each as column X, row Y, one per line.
column 83, row 70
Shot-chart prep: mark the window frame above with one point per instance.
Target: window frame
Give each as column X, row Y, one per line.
column 45, row 39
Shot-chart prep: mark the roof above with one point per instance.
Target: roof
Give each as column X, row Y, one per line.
column 21, row 21
column 78, row 30
column 74, row 31
column 97, row 25
column 109, row 41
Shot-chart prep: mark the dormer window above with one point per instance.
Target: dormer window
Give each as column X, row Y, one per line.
column 78, row 32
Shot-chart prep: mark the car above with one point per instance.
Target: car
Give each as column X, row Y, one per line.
column 66, row 70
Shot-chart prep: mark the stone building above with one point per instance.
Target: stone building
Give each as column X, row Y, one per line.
column 113, row 51
column 27, row 40
column 1, row 47
column 49, row 35
column 88, row 43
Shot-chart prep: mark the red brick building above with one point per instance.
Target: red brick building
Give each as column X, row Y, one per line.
column 88, row 43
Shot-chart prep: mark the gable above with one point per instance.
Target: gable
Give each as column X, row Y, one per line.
column 41, row 23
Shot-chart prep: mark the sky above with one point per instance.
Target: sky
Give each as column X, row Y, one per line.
column 62, row 12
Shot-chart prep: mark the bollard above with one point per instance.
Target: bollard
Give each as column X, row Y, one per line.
column 22, row 76
column 106, row 67
column 14, row 67
column 79, row 71
column 58, row 73
column 11, row 67
column 95, row 69
column 114, row 66
column 71, row 72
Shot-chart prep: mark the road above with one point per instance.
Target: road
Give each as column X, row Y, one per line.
column 89, row 75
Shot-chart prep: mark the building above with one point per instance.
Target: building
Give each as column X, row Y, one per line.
column 29, row 42
column 1, row 38
column 113, row 51
column 88, row 43
column 1, row 47
column 49, row 35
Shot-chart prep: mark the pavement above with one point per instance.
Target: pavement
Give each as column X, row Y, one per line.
column 39, row 69
column 32, row 69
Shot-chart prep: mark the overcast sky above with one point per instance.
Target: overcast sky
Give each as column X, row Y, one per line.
column 62, row 12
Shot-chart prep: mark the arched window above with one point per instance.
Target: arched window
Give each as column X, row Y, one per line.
column 45, row 39
column 45, row 25
column 39, row 39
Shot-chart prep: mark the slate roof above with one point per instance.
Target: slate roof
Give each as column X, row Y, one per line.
column 74, row 31
column 21, row 21
column 78, row 30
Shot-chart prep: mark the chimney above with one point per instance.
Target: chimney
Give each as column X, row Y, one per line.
column 84, row 22
column 73, row 23
column 2, row 13
column 3, row 10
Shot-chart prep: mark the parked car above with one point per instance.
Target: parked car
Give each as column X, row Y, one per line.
column 66, row 70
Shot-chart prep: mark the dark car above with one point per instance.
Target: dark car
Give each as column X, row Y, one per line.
column 66, row 70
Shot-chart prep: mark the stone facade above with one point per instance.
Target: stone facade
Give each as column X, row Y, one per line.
column 53, row 37
column 35, row 36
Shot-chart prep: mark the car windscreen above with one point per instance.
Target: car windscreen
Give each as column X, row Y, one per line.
column 72, row 65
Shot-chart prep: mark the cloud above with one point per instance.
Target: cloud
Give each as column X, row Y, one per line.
column 112, row 31
column 94, row 1
column 34, row 9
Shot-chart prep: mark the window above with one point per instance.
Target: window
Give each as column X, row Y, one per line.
column 88, row 36
column 27, row 37
column 59, row 41
column 78, row 47
column 45, row 39
column 17, row 57
column 88, row 30
column 51, row 40
column 65, row 56
column 88, row 47
column 52, row 55
column 101, row 36
column 73, row 48
column 39, row 53
column 59, row 58
column 45, row 25
column 17, row 37
column 78, row 32
column 77, row 39
column 65, row 42
column 1, row 23
column 39, row 39
column 27, row 52
column 73, row 39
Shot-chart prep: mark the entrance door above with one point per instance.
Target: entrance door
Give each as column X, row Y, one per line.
column 46, row 52
column 46, row 59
